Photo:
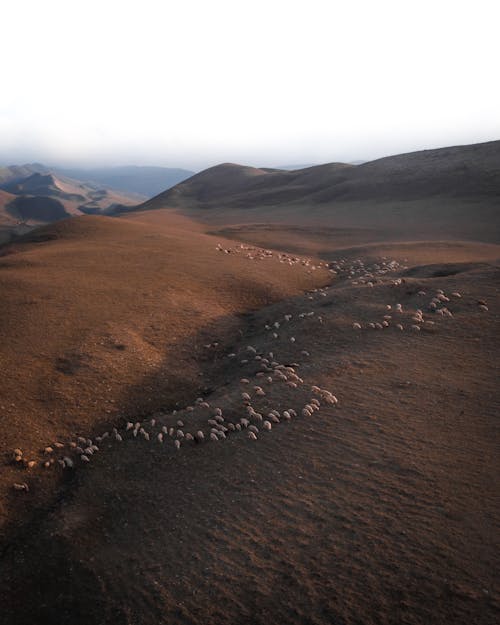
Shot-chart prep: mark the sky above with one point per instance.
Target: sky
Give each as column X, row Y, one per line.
column 193, row 83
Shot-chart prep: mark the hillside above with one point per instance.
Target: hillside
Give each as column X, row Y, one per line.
column 461, row 171
column 377, row 508
column 97, row 305
column 12, row 173
column 44, row 197
column 449, row 192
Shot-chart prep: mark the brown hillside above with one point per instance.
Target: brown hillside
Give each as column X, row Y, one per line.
column 92, row 306
column 381, row 509
column 449, row 193
column 470, row 171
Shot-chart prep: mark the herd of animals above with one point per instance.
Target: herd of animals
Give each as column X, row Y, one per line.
column 255, row 408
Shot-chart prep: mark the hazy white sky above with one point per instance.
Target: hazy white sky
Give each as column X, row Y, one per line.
column 272, row 82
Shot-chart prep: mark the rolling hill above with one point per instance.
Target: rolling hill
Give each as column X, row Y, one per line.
column 126, row 335
column 448, row 192
column 461, row 171
column 42, row 197
column 346, row 392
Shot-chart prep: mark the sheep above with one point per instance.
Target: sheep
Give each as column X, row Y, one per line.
column 245, row 397
column 68, row 462
column 267, row 425
column 21, row 486
column 213, row 437
column 84, row 458
column 399, row 326
column 118, row 437
column 160, row 437
column 244, row 381
column 177, row 444
column 180, row 434
column 199, row 436
column 49, row 450
column 18, row 455
column 415, row 328
column 189, row 436
column 356, row 326
column 253, row 428
column 180, row 423
column 31, row 464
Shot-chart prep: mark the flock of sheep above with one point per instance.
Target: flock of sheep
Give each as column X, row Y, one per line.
column 253, row 409
column 200, row 422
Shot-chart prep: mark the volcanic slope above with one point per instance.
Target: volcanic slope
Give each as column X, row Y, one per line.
column 445, row 193
column 368, row 497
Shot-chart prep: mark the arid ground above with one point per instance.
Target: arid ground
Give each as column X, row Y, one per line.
column 371, row 494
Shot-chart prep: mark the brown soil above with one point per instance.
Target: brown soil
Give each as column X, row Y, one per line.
column 381, row 510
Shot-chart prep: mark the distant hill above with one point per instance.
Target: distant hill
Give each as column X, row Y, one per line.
column 235, row 185
column 41, row 197
column 442, row 193
column 145, row 181
column 14, row 173
column 462, row 171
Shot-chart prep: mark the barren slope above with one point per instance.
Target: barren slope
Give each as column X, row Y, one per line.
column 460, row 171
column 380, row 509
column 435, row 194
column 92, row 306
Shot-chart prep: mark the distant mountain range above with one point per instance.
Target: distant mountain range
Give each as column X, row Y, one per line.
column 455, row 185
column 33, row 194
column 145, row 181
